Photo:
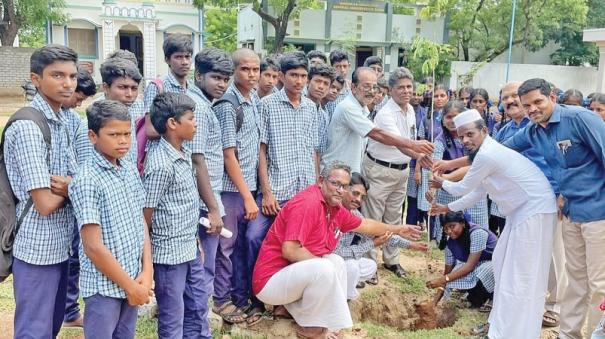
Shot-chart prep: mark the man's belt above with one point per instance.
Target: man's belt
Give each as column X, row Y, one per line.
column 386, row 163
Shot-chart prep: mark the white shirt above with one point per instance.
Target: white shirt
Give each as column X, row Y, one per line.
column 512, row 181
column 393, row 119
column 346, row 132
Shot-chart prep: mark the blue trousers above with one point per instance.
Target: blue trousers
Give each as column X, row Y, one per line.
column 40, row 292
column 210, row 245
column 72, row 308
column 233, row 220
column 106, row 317
column 180, row 296
column 247, row 246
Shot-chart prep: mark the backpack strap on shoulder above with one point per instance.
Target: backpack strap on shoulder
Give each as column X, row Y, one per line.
column 231, row 98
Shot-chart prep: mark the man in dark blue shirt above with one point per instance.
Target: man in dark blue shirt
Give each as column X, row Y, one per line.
column 572, row 141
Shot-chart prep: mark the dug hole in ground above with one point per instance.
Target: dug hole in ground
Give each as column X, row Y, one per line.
column 395, row 308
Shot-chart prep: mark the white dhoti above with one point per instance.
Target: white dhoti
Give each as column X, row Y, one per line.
column 521, row 265
column 358, row 270
column 313, row 291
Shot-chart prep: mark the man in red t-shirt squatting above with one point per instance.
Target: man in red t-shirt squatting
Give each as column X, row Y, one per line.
column 296, row 267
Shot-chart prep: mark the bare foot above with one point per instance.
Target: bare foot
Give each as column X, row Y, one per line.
column 311, row 332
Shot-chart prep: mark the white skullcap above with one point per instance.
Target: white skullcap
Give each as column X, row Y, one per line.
column 467, row 117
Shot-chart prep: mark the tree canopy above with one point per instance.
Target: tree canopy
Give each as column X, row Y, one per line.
column 479, row 29
column 27, row 16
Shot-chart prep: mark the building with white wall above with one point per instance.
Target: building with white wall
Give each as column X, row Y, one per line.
column 96, row 28
column 373, row 27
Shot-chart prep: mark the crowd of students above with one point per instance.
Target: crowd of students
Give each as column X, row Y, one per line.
column 310, row 173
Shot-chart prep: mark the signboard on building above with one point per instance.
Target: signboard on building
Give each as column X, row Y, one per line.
column 360, row 6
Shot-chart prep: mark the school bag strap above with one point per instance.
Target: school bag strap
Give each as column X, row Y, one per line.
column 9, row 224
column 231, row 98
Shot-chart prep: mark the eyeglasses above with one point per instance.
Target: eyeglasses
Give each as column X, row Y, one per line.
column 338, row 185
column 370, row 88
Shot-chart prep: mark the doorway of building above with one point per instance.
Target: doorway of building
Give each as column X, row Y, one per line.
column 133, row 41
column 361, row 54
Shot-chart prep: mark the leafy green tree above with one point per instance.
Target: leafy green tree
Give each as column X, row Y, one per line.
column 574, row 51
column 427, row 58
column 27, row 15
column 479, row 29
column 220, row 29
column 275, row 12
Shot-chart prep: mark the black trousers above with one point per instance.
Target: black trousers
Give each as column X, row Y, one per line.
column 478, row 295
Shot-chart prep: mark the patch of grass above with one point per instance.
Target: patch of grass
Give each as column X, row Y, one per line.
column 7, row 301
column 441, row 333
column 370, row 296
column 410, row 284
column 378, row 331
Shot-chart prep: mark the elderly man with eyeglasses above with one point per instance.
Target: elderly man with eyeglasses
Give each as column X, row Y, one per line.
column 350, row 126
column 296, row 266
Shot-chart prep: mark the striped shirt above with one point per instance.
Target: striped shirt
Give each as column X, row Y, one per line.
column 171, row 188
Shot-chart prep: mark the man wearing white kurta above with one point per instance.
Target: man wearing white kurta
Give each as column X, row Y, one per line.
column 521, row 258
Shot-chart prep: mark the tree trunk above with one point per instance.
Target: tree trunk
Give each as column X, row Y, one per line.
column 8, row 25
column 279, row 23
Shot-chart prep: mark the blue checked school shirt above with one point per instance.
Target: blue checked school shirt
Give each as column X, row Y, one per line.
column 323, row 121
column 246, row 141
column 573, row 145
column 208, row 141
column 41, row 240
column 113, row 198
column 291, row 136
column 169, row 181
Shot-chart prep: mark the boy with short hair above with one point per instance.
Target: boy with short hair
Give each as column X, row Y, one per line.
column 42, row 174
column 321, row 77
column 108, row 199
column 171, row 208
column 86, row 88
column 317, row 57
column 269, row 73
column 288, row 160
column 339, row 59
column 240, row 150
column 121, row 79
column 213, row 69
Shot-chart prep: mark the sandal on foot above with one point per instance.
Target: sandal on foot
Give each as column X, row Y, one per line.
column 311, row 332
column 373, row 280
column 230, row 313
column 550, row 319
column 486, row 307
column 254, row 315
column 280, row 312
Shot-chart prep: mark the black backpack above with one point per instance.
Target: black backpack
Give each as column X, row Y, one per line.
column 9, row 224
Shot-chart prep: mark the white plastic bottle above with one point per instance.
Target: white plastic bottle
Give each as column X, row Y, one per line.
column 224, row 231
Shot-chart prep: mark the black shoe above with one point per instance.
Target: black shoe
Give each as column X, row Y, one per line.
column 397, row 269
column 360, row 284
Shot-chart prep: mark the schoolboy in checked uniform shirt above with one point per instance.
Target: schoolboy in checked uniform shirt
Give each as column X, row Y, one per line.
column 172, row 210
column 213, row 68
column 240, row 149
column 42, row 245
column 108, row 199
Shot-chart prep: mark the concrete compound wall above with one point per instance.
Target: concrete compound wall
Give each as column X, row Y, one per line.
column 492, row 76
column 14, row 69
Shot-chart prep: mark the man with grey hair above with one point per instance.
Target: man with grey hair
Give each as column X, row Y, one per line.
column 296, row 267
column 386, row 167
column 350, row 125
column 522, row 256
